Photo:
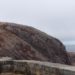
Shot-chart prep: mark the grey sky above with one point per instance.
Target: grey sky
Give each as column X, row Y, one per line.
column 55, row 17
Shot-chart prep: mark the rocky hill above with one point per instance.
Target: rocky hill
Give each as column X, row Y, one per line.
column 72, row 57
column 25, row 42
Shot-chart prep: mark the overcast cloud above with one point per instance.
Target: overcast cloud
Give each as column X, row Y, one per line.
column 55, row 17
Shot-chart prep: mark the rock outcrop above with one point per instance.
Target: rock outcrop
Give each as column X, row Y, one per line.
column 25, row 42
column 72, row 57
column 32, row 67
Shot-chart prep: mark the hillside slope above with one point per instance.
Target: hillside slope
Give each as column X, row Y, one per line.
column 72, row 57
column 25, row 42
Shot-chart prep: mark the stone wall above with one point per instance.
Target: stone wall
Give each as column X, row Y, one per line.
column 31, row 67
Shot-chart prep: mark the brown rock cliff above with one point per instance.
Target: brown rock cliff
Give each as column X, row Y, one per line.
column 25, row 42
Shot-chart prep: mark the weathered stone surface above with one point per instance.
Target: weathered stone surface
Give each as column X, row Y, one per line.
column 72, row 57
column 25, row 42
column 31, row 67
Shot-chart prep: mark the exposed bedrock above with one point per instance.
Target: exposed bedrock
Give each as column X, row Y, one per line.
column 25, row 42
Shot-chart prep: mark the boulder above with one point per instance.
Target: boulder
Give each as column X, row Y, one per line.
column 25, row 42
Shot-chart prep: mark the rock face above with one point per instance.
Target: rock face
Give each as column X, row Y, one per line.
column 72, row 57
column 25, row 42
